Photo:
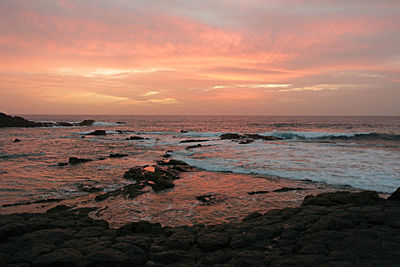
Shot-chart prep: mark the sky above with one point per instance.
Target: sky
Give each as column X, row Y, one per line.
column 192, row 57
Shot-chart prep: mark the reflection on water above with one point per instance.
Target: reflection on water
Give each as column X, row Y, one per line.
column 29, row 169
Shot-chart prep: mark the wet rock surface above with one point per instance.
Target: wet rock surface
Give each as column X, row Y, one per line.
column 247, row 138
column 358, row 230
column 16, row 121
column 97, row 132
column 159, row 177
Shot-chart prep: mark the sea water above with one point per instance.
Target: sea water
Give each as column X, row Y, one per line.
column 314, row 153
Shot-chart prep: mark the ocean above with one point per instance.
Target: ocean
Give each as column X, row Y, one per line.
column 313, row 154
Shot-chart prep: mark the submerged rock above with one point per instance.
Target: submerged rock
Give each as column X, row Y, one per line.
column 118, row 155
column 286, row 189
column 97, row 132
column 75, row 160
column 230, row 136
column 210, row 199
column 86, row 123
column 194, row 141
column 257, row 192
column 247, row 138
column 64, row 124
column 135, row 138
column 193, row 146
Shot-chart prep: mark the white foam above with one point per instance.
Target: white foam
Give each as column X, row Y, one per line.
column 368, row 169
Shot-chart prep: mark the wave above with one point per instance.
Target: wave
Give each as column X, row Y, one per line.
column 334, row 136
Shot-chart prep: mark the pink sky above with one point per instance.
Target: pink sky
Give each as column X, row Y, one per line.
column 290, row 57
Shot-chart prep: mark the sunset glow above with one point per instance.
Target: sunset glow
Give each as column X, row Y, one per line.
column 200, row 57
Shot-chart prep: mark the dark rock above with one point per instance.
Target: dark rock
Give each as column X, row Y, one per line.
column 97, row 132
column 75, row 160
column 16, row 140
column 59, row 257
column 286, row 189
column 194, row 146
column 252, row 216
column 118, row 155
column 395, row 195
column 184, row 131
column 166, row 155
column 138, row 255
column 210, row 199
column 213, row 241
column 181, row 240
column 135, row 138
column 130, row 191
column 10, row 121
column 261, row 137
column 175, row 165
column 193, row 141
column 341, row 198
column 64, row 124
column 108, row 257
column 170, row 256
column 86, row 123
column 62, row 164
column 257, row 192
column 120, row 122
column 230, row 136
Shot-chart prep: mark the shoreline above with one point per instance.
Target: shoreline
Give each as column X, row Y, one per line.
column 331, row 229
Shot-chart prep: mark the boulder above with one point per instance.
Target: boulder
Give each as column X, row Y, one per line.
column 97, row 132
column 64, row 124
column 230, row 136
column 193, row 146
column 193, row 141
column 85, row 123
column 118, row 155
column 395, row 195
column 155, row 176
column 261, row 137
column 75, row 160
column 135, row 138
column 16, row 140
column 10, row 121
column 342, row 198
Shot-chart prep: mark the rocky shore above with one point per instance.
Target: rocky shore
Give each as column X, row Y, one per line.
column 16, row 121
column 331, row 229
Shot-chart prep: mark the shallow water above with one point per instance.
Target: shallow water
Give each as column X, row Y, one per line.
column 336, row 151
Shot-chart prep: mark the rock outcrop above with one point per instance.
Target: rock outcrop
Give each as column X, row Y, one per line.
column 16, row 121
column 358, row 230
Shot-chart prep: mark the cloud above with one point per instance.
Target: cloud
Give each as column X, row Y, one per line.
column 165, row 101
column 151, row 93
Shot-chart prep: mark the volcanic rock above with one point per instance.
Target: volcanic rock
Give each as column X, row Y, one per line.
column 395, row 195
column 193, row 146
column 118, row 155
column 85, row 123
column 97, row 132
column 10, row 121
column 75, row 160
column 135, row 138
column 193, row 141
column 341, row 198
column 350, row 233
column 229, row 136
